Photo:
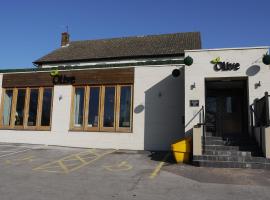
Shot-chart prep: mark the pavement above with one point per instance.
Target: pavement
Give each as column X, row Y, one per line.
column 37, row 172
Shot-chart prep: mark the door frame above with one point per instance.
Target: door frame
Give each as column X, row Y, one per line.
column 246, row 117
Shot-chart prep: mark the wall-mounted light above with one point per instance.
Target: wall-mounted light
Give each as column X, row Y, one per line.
column 192, row 86
column 176, row 73
column 256, row 85
column 60, row 97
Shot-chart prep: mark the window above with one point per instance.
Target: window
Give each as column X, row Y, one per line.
column 46, row 107
column 26, row 108
column 109, row 107
column 7, row 105
column 125, row 105
column 102, row 108
column 33, row 107
column 19, row 111
column 78, row 107
column 93, row 108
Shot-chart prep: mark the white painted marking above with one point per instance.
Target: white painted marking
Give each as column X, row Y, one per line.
column 9, row 145
column 15, row 152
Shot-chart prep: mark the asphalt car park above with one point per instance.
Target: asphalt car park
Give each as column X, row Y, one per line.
column 48, row 172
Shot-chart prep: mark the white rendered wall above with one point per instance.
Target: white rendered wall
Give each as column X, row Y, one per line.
column 251, row 66
column 158, row 110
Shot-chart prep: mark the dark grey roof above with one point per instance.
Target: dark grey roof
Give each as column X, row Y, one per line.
column 126, row 47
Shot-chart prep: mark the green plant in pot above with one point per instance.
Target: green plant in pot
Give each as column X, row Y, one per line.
column 188, row 61
column 266, row 59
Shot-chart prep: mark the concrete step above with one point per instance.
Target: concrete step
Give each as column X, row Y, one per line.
column 230, row 164
column 228, row 143
column 234, row 158
column 230, row 148
column 228, row 153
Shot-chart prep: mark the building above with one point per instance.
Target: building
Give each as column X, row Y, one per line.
column 113, row 93
column 120, row 93
column 226, row 90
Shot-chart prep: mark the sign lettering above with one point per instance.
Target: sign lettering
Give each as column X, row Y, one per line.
column 226, row 66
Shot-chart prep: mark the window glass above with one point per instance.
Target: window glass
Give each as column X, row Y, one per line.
column 78, row 107
column 229, row 104
column 20, row 107
column 109, row 101
column 125, row 103
column 46, row 107
column 33, row 105
column 7, row 107
column 93, row 112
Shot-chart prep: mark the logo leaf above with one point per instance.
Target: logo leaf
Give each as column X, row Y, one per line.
column 215, row 60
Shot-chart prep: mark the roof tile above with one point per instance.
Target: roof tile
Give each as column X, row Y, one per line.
column 125, row 47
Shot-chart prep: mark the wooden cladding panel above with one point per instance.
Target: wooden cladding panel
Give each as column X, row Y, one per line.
column 82, row 77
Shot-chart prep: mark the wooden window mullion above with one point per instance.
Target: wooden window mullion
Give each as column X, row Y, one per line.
column 71, row 123
column 13, row 109
column 99, row 107
column 117, row 107
column 101, row 119
column 131, row 108
column 26, row 108
column 39, row 111
column 86, row 106
column 2, row 107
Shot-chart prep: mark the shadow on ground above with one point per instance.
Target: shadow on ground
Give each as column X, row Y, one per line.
column 162, row 156
column 221, row 175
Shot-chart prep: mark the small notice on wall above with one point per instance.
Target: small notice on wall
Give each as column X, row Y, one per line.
column 194, row 103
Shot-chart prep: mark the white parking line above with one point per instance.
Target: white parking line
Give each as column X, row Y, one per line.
column 15, row 152
column 9, row 145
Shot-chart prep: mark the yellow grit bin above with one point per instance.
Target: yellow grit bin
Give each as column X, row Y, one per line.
column 182, row 149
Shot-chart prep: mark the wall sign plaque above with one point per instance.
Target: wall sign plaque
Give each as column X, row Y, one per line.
column 194, row 103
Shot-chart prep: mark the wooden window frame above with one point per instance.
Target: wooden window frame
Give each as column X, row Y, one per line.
column 39, row 113
column 26, row 109
column 2, row 109
column 40, row 104
column 102, row 100
column 118, row 128
column 88, row 128
column 72, row 111
column 100, row 127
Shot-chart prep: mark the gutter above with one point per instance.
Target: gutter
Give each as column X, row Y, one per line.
column 101, row 66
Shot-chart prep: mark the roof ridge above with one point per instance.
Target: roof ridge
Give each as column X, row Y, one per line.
column 125, row 47
column 137, row 36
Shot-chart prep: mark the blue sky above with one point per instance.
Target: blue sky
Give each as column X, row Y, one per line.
column 32, row 28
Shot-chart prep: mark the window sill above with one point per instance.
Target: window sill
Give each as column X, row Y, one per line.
column 102, row 131
column 26, row 129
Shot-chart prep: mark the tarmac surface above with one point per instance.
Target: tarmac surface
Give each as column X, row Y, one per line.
column 37, row 172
